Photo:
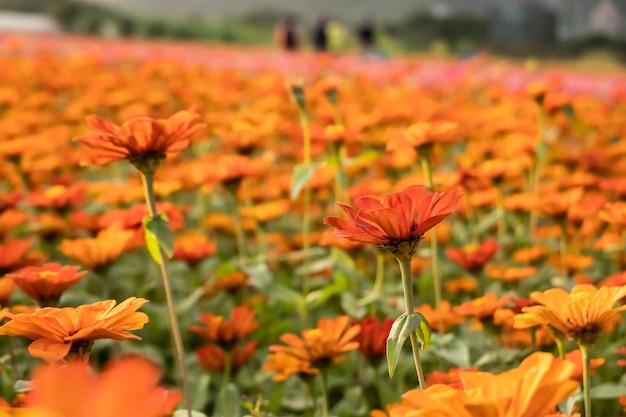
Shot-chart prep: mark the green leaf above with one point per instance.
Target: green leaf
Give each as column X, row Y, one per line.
column 184, row 306
column 159, row 229
column 400, row 331
column 608, row 391
column 302, row 173
column 228, row 402
column 153, row 246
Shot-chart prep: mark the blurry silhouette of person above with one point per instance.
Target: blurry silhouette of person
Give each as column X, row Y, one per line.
column 286, row 34
column 366, row 34
column 319, row 34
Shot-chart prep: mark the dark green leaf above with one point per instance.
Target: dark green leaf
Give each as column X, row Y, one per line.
column 400, row 331
column 159, row 227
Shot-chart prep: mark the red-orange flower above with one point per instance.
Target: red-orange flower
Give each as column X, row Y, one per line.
column 58, row 331
column 47, row 283
column 212, row 357
column 138, row 137
column 400, row 217
column 226, row 333
column 473, row 258
column 193, row 247
column 483, row 307
column 128, row 387
column 12, row 253
column 373, row 337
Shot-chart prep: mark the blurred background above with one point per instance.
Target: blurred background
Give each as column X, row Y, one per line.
column 560, row 29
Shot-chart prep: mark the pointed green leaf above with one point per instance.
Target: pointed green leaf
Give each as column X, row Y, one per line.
column 153, row 246
column 400, row 331
column 302, row 173
column 159, row 227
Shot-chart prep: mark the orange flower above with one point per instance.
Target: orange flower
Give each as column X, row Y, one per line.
column 614, row 213
column 227, row 333
column 57, row 332
column 426, row 134
column 12, row 253
column 580, row 315
column 576, row 358
column 510, row 274
column 372, row 338
column 473, row 258
column 444, row 315
column 531, row 254
column 317, row 348
column 452, row 378
column 460, row 285
column 10, row 220
column 138, row 137
column 100, row 251
column 212, row 357
column 193, row 247
column 60, row 196
column 483, row 307
column 534, row 389
column 47, row 283
column 128, row 387
column 7, row 286
column 393, row 221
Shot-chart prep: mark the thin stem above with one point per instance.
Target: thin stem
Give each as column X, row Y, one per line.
column 148, row 182
column 536, row 174
column 584, row 350
column 560, row 347
column 324, row 394
column 240, row 237
column 306, row 217
column 224, row 407
column 380, row 273
column 501, row 216
column 409, row 301
column 434, row 250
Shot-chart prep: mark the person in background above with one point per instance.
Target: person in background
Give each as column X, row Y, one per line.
column 286, row 34
column 320, row 34
column 366, row 33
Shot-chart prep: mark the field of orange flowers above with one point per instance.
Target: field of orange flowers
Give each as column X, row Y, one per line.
column 185, row 227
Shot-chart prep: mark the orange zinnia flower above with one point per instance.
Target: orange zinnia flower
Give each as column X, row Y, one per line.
column 47, row 283
column 483, row 307
column 317, row 348
column 400, row 217
column 580, row 315
column 473, row 258
column 59, row 331
column 534, row 389
column 213, row 357
column 12, row 253
column 98, row 252
column 443, row 316
column 226, row 333
column 193, row 247
column 128, row 387
column 138, row 137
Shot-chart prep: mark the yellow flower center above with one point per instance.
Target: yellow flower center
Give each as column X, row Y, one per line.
column 55, row 191
column 312, row 334
column 48, row 274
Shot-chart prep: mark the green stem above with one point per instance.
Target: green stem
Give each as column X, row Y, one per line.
column 224, row 407
column 501, row 216
column 584, row 350
column 434, row 250
column 239, row 232
column 148, row 182
column 409, row 301
column 380, row 273
column 560, row 347
column 324, row 378
column 306, row 217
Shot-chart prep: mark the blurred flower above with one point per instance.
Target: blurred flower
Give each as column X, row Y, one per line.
column 473, row 258
column 452, row 378
column 138, row 138
column 482, row 308
column 393, row 221
column 226, row 333
column 61, row 332
column 60, row 196
column 580, row 315
column 47, row 283
column 575, row 357
column 212, row 357
column 460, row 285
column 444, row 315
column 193, row 247
column 128, row 387
column 372, row 338
column 101, row 251
column 12, row 254
column 318, row 348
column 510, row 274
column 533, row 389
